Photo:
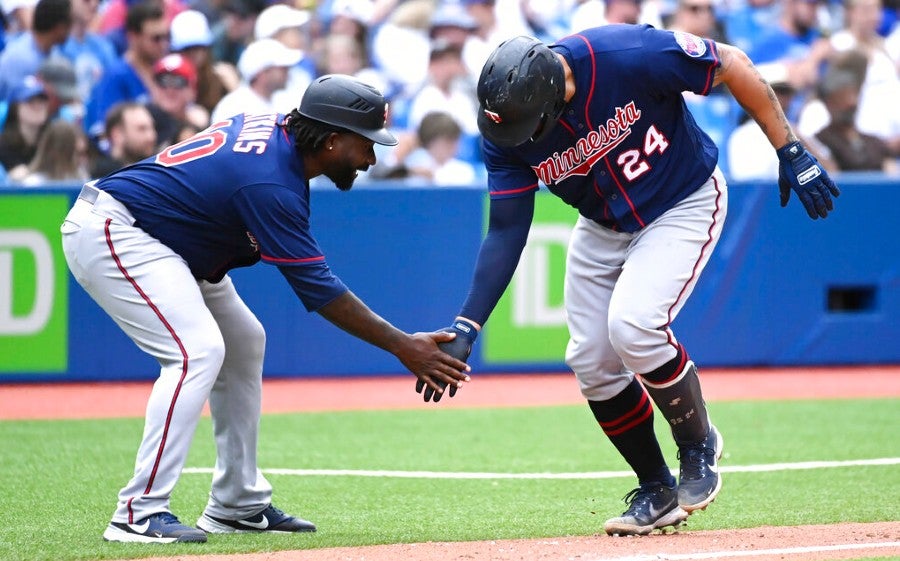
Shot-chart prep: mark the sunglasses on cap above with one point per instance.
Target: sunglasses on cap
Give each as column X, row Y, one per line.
column 698, row 8
column 171, row 81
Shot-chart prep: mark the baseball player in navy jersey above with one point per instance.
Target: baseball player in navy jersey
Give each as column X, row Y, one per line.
column 153, row 244
column 599, row 119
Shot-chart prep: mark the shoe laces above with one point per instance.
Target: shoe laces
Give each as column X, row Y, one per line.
column 167, row 519
column 695, row 459
column 640, row 495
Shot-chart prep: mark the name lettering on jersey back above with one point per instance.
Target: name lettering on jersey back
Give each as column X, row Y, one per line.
column 255, row 133
column 590, row 149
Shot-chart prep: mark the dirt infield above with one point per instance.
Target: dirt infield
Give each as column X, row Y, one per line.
column 820, row 543
column 104, row 400
column 804, row 543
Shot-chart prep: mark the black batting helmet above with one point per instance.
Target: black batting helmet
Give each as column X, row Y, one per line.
column 347, row 103
column 521, row 91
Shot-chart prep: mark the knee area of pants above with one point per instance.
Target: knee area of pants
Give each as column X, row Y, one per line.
column 210, row 350
column 626, row 335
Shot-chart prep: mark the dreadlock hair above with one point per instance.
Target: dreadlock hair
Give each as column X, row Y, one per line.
column 309, row 135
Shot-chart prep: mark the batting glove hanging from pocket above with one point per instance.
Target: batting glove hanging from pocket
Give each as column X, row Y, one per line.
column 800, row 171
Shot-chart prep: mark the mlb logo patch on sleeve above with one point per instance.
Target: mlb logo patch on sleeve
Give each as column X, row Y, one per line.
column 690, row 44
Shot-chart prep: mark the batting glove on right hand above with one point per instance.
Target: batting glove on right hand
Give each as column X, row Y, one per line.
column 800, row 171
column 459, row 348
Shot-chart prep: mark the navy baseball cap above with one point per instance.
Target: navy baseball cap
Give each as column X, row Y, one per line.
column 346, row 102
column 29, row 87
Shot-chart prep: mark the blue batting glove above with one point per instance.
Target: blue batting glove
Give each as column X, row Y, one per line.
column 800, row 171
column 459, row 348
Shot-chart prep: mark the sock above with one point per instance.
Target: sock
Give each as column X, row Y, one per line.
column 675, row 388
column 627, row 420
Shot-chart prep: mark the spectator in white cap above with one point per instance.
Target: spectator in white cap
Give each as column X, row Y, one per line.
column 290, row 27
column 264, row 68
column 192, row 38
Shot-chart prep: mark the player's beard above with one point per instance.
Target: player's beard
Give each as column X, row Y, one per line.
column 343, row 179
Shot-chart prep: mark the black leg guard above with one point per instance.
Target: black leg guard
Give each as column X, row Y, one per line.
column 680, row 401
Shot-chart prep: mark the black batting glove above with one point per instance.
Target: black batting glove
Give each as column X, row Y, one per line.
column 800, row 171
column 459, row 348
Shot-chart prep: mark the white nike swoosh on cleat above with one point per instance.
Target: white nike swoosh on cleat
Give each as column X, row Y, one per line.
column 139, row 528
column 258, row 525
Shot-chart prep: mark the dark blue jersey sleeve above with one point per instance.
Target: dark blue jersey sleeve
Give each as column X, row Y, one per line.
column 510, row 221
column 508, row 176
column 676, row 61
column 278, row 220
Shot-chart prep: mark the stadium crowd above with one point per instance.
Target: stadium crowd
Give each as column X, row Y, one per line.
column 89, row 86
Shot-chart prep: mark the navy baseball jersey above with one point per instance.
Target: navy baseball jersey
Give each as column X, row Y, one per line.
column 626, row 148
column 227, row 197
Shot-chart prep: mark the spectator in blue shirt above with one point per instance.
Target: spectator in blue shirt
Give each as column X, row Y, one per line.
column 131, row 78
column 91, row 54
column 24, row 54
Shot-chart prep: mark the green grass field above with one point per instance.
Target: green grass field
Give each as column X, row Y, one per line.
column 59, row 479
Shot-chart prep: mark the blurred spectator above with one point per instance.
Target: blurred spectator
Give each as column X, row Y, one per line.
column 400, row 45
column 449, row 89
column 486, row 37
column 131, row 78
column 795, row 42
column 91, row 53
column 353, row 18
column 289, row 27
column 750, row 154
column 842, row 144
column 451, row 22
column 192, row 37
column 343, row 54
column 435, row 160
column 61, row 84
column 746, row 21
column 548, row 19
column 24, row 53
column 881, row 87
column 697, row 17
column 874, row 114
column 234, row 31
column 264, row 69
column 129, row 135
column 25, row 119
column 114, row 19
column 623, row 11
column 61, row 156
column 174, row 99
column 594, row 13
column 18, row 15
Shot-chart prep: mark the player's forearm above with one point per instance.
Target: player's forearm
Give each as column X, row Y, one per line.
column 352, row 315
column 510, row 221
column 754, row 94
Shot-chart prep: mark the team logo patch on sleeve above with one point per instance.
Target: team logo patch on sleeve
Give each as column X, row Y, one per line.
column 690, row 44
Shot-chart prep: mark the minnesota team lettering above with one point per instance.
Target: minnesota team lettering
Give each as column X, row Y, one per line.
column 255, row 133
column 588, row 150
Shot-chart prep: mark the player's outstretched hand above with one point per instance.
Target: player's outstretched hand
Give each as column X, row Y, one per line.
column 460, row 347
column 800, row 171
column 435, row 369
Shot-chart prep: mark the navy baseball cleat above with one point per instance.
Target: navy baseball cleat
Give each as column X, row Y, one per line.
column 162, row 527
column 698, row 479
column 651, row 506
column 269, row 519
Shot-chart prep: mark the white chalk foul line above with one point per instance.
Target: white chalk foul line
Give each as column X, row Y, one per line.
column 576, row 475
column 753, row 553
